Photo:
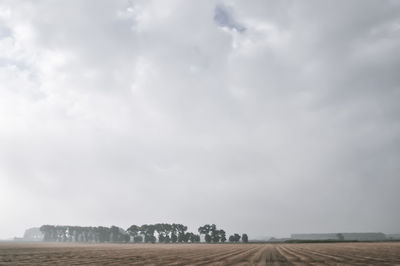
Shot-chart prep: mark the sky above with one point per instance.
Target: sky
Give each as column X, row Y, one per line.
column 264, row 117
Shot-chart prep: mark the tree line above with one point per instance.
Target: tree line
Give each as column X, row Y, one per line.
column 65, row 233
column 147, row 233
column 167, row 233
column 214, row 235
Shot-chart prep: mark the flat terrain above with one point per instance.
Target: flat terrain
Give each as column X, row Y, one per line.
column 199, row 254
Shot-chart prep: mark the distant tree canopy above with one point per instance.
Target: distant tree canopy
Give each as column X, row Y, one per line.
column 234, row 238
column 148, row 233
column 63, row 233
column 167, row 233
column 245, row 238
column 212, row 234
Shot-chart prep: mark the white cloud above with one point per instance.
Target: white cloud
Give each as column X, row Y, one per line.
column 159, row 107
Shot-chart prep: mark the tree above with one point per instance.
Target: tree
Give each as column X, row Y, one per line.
column 245, row 238
column 194, row 238
column 47, row 231
column 234, row 238
column 214, row 233
column 138, row 239
column 174, row 232
column 104, row 234
column 148, row 232
column 205, row 230
column 160, row 231
column 114, row 234
column 181, row 229
column 237, row 237
column 174, row 238
column 186, row 237
column 117, row 235
column 133, row 230
column 222, row 235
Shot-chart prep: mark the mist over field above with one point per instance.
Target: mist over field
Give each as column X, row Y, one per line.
column 264, row 117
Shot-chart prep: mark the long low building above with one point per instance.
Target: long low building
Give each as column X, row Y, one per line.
column 341, row 236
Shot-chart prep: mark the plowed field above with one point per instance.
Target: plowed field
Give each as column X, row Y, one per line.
column 199, row 254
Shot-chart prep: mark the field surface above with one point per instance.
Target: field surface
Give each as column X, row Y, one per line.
column 199, row 254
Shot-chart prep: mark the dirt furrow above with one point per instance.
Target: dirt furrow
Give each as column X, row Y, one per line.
column 241, row 258
column 319, row 252
column 290, row 258
column 341, row 256
column 301, row 258
column 215, row 254
column 268, row 255
column 278, row 257
column 260, row 257
column 210, row 253
column 204, row 260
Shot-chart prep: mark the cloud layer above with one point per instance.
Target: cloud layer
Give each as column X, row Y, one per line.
column 264, row 117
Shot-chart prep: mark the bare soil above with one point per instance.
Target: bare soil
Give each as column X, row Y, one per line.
column 199, row 254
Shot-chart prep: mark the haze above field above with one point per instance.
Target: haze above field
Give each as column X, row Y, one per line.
column 263, row 117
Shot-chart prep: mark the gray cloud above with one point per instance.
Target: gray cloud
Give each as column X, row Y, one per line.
column 223, row 17
column 147, row 111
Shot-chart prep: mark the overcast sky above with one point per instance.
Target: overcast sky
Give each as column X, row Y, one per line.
column 265, row 117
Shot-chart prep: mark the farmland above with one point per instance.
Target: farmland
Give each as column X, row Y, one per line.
column 199, row 254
